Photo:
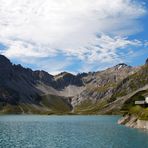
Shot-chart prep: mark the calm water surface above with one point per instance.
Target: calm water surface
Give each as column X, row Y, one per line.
column 68, row 132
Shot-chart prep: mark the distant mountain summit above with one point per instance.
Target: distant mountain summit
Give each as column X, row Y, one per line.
column 4, row 62
column 146, row 62
column 121, row 65
column 23, row 90
column 4, row 59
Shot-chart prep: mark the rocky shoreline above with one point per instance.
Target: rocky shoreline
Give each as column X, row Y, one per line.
column 133, row 122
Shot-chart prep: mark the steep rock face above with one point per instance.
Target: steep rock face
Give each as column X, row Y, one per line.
column 4, row 61
column 16, row 84
column 43, row 76
column 26, row 85
column 65, row 79
column 131, row 83
column 100, row 85
column 19, row 85
column 5, row 68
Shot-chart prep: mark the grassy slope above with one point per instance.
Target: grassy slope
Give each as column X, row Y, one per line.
column 56, row 103
column 140, row 111
column 49, row 104
column 88, row 107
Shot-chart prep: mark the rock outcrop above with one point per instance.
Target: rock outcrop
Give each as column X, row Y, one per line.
column 133, row 122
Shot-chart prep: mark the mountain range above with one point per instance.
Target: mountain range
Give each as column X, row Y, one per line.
column 111, row 91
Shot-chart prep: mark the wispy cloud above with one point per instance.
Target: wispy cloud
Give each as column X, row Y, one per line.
column 90, row 30
column 146, row 43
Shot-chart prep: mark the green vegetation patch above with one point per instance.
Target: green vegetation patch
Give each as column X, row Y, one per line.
column 10, row 109
column 56, row 103
column 88, row 107
column 140, row 112
column 49, row 104
column 137, row 97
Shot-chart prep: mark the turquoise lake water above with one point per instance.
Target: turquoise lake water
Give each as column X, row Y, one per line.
column 30, row 131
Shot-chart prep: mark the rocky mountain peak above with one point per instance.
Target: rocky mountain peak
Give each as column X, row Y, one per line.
column 63, row 75
column 42, row 74
column 146, row 62
column 4, row 62
column 121, row 65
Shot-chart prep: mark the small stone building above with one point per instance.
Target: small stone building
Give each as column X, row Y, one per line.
column 142, row 102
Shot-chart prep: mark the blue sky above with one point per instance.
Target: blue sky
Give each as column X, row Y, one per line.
column 74, row 36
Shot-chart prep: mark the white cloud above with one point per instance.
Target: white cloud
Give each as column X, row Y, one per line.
column 46, row 28
column 54, row 66
column 106, row 48
column 146, row 44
